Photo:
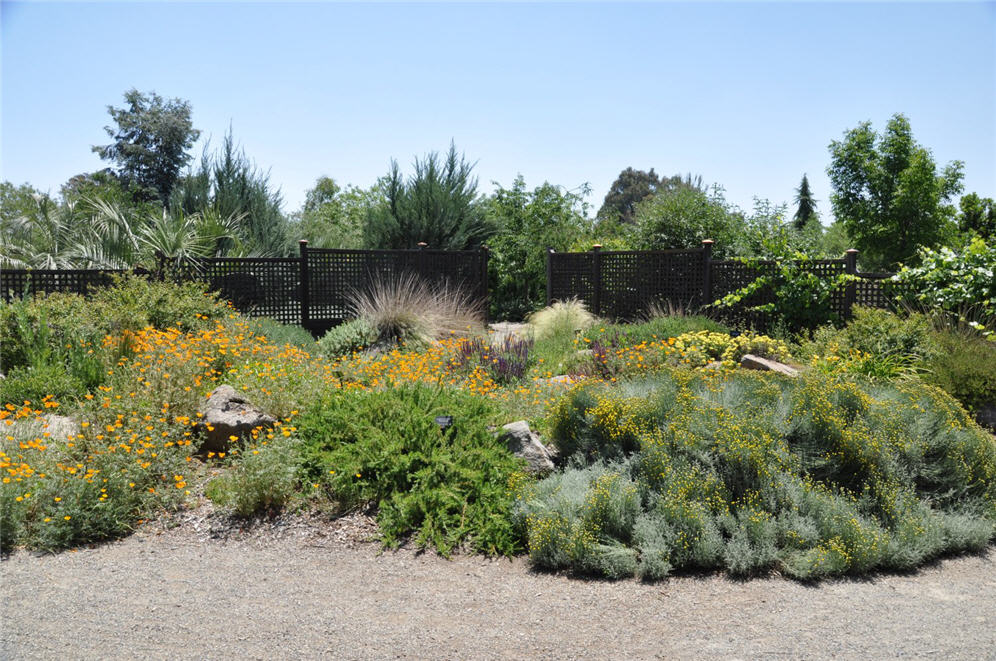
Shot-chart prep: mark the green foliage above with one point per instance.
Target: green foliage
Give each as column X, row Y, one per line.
column 33, row 383
column 333, row 217
column 964, row 367
column 801, row 298
column 264, row 479
column 348, row 338
column 231, row 190
column 658, row 328
column 150, row 141
column 632, row 187
column 443, row 488
column 281, row 334
column 978, row 216
column 684, row 217
column 526, row 224
column 438, row 206
column 961, row 284
column 806, row 206
column 888, row 194
column 135, row 302
column 814, row 476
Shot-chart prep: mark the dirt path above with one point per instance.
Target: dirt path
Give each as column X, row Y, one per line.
column 296, row 590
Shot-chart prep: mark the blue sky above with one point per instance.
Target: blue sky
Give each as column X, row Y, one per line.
column 748, row 95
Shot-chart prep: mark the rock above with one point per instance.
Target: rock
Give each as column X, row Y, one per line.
column 525, row 443
column 752, row 362
column 714, row 365
column 226, row 414
column 60, row 427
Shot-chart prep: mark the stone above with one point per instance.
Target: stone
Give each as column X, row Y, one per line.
column 227, row 413
column 60, row 427
column 714, row 365
column 524, row 442
column 752, row 362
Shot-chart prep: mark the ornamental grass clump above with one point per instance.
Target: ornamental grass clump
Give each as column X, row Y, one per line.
column 409, row 311
column 814, row 476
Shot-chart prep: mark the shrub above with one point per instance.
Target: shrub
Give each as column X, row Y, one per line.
column 814, row 476
column 961, row 284
column 34, row 384
column 264, row 479
column 656, row 328
column 875, row 343
column 964, row 367
column 442, row 487
column 281, row 334
column 348, row 338
column 136, row 302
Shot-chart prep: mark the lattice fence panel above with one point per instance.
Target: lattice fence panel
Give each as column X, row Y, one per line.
column 15, row 283
column 872, row 290
column 570, row 276
column 334, row 275
column 631, row 281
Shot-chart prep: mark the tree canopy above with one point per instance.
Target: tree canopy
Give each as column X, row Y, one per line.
column 150, row 142
column 805, row 205
column 888, row 194
column 437, row 205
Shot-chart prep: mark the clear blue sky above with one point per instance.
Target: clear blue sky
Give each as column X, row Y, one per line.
column 748, row 95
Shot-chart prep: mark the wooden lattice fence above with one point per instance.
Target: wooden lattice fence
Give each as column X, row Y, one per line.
column 311, row 290
column 623, row 284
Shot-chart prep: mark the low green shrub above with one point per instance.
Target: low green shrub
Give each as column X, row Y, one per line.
column 281, row 334
column 658, row 328
column 34, row 384
column 135, row 302
column 347, row 338
column 442, row 487
column 964, row 367
column 814, row 476
column 265, row 478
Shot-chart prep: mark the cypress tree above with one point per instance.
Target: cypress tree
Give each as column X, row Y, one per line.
column 807, row 205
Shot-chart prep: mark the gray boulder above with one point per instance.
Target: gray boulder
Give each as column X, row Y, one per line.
column 525, row 443
column 752, row 362
column 60, row 427
column 226, row 414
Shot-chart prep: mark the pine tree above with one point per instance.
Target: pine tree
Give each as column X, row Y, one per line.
column 807, row 205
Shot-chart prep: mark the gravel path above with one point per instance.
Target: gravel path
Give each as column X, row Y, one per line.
column 297, row 588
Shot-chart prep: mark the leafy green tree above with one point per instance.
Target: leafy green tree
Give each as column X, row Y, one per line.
column 16, row 202
column 978, row 216
column 527, row 223
column 684, row 216
column 150, row 142
column 629, row 188
column 888, row 194
column 438, row 205
column 228, row 185
column 333, row 217
column 805, row 205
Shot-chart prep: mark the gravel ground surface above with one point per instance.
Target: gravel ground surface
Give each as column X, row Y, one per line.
column 299, row 587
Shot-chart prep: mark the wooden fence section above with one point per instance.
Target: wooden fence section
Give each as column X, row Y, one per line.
column 331, row 276
column 623, row 284
column 15, row 283
column 311, row 290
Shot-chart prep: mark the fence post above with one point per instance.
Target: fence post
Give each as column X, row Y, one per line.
column 596, row 278
column 549, row 276
column 851, row 268
column 485, row 256
column 305, row 288
column 707, row 271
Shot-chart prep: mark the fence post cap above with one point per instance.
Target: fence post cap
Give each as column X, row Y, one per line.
column 302, row 242
column 597, row 246
column 708, row 242
column 851, row 251
column 422, row 244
